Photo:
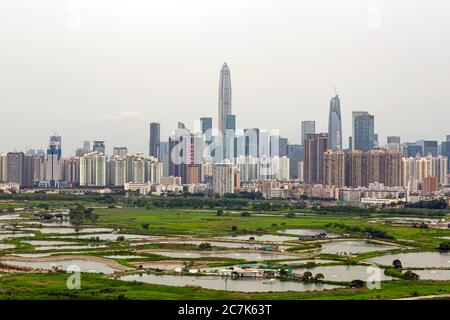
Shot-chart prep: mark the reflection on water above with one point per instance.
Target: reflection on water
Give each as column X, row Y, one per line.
column 353, row 247
column 264, row 237
column 416, row 259
column 6, row 246
column 221, row 283
column 308, row 232
column 16, row 235
column 433, row 274
column 222, row 244
column 84, row 265
column 345, row 273
column 108, row 236
column 69, row 230
column 250, row 256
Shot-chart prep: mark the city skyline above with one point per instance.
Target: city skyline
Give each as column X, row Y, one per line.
column 281, row 75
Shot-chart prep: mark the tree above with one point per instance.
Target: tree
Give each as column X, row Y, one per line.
column 145, row 225
column 219, row 213
column 204, row 246
column 409, row 275
column 307, row 276
column 79, row 214
column 444, row 246
column 246, row 214
column 319, row 276
column 357, row 284
column 397, row 264
column 76, row 217
column 234, row 228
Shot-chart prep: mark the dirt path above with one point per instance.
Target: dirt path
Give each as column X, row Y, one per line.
column 427, row 297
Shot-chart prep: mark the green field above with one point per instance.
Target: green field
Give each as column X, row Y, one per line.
column 203, row 222
column 53, row 286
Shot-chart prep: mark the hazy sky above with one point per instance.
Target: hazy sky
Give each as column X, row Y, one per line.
column 103, row 69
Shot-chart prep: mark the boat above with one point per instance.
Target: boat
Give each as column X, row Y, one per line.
column 271, row 281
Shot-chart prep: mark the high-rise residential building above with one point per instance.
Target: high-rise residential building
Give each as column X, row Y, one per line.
column 363, row 135
column 315, row 147
column 155, row 140
column 418, row 168
column 27, row 174
column 295, row 154
column 71, row 171
column 93, row 170
column 335, row 124
column 193, row 173
column 223, row 178
column 53, row 167
column 374, row 166
column 224, row 96
column 120, row 151
column 15, row 167
column 206, row 128
column 3, row 167
column 354, row 169
column 99, row 147
column 430, row 185
column 334, row 168
column 307, row 127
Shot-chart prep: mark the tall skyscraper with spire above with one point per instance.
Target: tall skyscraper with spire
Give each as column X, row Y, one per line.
column 335, row 124
column 224, row 96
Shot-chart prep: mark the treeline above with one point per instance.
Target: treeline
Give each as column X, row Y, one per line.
column 433, row 204
column 42, row 196
column 367, row 231
column 412, row 211
column 212, row 203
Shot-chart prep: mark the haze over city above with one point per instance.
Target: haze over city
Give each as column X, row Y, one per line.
column 105, row 69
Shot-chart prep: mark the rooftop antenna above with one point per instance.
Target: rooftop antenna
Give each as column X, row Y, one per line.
column 334, row 88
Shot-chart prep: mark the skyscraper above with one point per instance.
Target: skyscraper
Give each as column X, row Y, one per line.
column 206, row 127
column 15, row 167
column 155, row 140
column 430, row 147
column 87, row 146
column 99, row 147
column 295, row 155
column 335, row 124
column 53, row 168
column 363, row 136
column 283, row 145
column 315, row 147
column 224, row 96
column 229, row 135
column 445, row 151
column 307, row 127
